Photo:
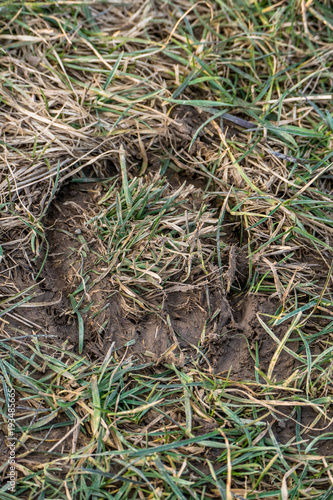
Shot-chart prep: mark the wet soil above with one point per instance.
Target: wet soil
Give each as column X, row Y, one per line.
column 200, row 325
column 229, row 340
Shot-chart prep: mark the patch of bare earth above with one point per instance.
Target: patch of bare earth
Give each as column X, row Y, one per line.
column 202, row 319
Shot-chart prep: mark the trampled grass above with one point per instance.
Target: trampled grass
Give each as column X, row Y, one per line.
column 200, row 129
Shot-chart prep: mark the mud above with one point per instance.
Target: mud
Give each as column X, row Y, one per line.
column 200, row 325
column 228, row 340
column 184, row 332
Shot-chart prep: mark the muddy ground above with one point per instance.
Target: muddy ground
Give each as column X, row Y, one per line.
column 229, row 338
column 226, row 343
column 219, row 332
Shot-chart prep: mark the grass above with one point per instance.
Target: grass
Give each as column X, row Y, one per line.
column 217, row 121
column 151, row 235
column 133, row 443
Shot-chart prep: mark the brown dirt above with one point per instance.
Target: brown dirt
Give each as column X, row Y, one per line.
column 228, row 343
column 233, row 350
column 152, row 337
